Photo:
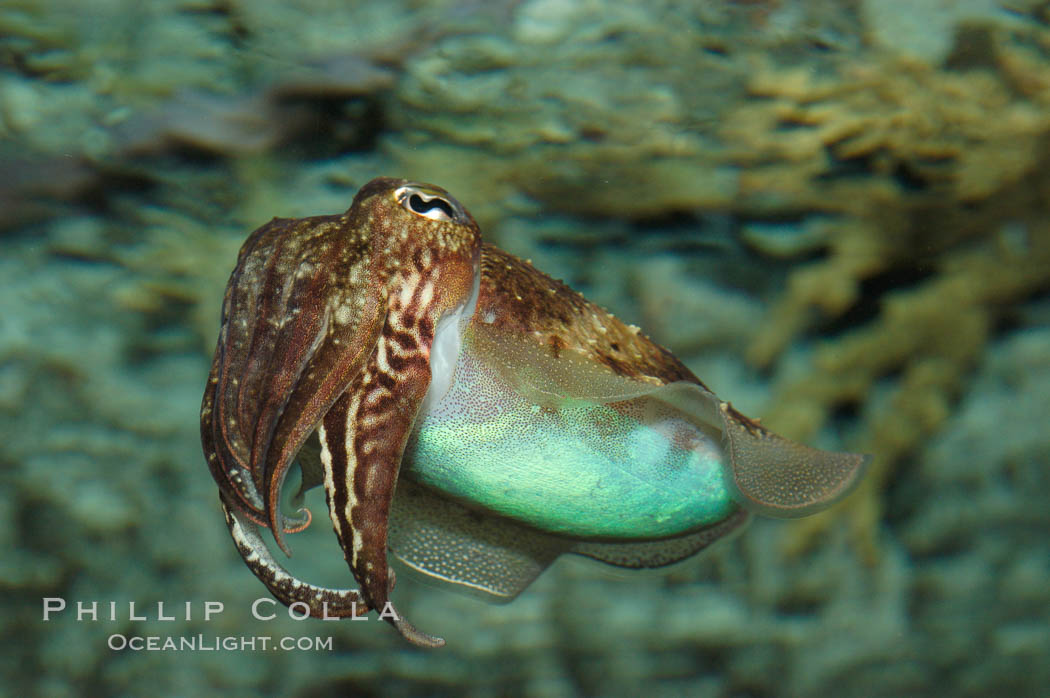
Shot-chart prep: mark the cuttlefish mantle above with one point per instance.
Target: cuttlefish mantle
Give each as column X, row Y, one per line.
column 467, row 413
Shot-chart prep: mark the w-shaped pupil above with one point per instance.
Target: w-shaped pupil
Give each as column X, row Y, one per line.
column 422, row 207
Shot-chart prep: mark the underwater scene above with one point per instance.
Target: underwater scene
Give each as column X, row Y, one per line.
column 570, row 348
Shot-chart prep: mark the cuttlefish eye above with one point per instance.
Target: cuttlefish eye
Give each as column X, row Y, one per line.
column 430, row 204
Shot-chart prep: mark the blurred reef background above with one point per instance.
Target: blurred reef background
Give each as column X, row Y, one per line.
column 836, row 211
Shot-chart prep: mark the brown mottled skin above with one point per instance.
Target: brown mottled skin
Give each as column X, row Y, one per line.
column 527, row 302
column 327, row 328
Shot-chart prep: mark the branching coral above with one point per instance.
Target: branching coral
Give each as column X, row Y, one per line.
column 934, row 187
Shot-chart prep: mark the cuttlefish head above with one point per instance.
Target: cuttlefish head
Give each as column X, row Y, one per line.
column 333, row 318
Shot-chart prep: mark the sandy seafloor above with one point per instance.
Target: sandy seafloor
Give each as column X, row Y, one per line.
column 834, row 211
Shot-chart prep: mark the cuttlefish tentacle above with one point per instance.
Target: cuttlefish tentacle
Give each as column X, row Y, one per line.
column 323, row 602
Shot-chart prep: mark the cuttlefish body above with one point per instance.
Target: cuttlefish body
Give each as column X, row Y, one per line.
column 467, row 413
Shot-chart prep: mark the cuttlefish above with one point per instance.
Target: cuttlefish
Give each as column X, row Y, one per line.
column 467, row 414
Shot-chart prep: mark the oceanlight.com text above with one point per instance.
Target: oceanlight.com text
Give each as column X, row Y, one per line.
column 217, row 643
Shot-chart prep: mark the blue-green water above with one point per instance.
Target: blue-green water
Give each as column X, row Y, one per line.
column 834, row 213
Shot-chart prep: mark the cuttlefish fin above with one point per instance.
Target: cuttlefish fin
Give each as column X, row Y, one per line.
column 476, row 552
column 774, row 476
column 362, row 441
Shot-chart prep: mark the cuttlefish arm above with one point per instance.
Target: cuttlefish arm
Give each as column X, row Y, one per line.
column 363, row 436
column 294, row 279
column 551, row 343
column 328, row 325
column 298, row 325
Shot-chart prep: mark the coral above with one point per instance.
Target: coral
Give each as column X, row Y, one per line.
column 931, row 186
column 596, row 109
column 917, row 354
